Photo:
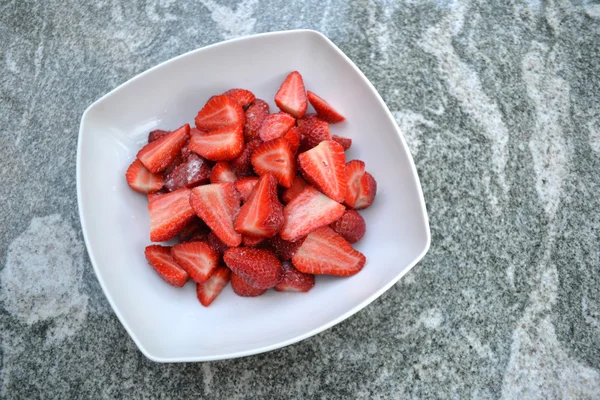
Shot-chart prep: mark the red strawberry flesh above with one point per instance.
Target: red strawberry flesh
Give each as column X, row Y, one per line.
column 324, row 110
column 198, row 259
column 159, row 257
column 159, row 154
column 324, row 166
column 141, row 180
column 294, row 280
column 291, row 96
column 169, row 214
column 208, row 291
column 219, row 112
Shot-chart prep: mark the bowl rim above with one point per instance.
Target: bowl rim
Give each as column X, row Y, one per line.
column 298, row 338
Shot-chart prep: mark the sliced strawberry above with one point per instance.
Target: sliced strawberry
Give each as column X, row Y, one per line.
column 216, row 243
column 276, row 125
column 259, row 268
column 159, row 257
column 222, row 172
column 355, row 169
column 219, row 112
column 156, row 134
column 249, row 241
column 179, row 159
column 241, row 288
column 326, row 252
column 241, row 164
column 314, row 130
column 294, row 280
column 310, row 210
column 346, row 143
column 157, row 156
column 208, row 291
column 195, row 231
column 291, row 96
column 262, row 215
column 276, row 157
column 221, row 145
column 189, row 173
column 141, row 180
column 351, row 226
column 169, row 214
column 325, row 167
column 242, row 96
column 293, row 136
column 218, row 204
column 297, row 187
column 255, row 115
column 244, row 186
column 368, row 190
column 323, row 109
column 283, row 249
column 198, row 259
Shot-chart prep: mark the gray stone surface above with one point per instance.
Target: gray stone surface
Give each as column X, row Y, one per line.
column 499, row 103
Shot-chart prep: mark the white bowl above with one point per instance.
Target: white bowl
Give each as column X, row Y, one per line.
column 169, row 324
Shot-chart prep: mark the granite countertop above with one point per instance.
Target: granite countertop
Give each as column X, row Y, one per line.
column 499, row 104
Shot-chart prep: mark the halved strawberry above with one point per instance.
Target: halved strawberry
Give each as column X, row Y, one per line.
column 276, row 125
column 141, row 180
column 216, row 243
column 218, row 204
column 249, row 241
column 314, row 130
column 242, row 96
column 169, row 214
column 259, row 268
column 351, row 226
column 195, row 231
column 368, row 190
column 156, row 134
column 255, row 115
column 219, row 112
column 293, row 136
column 323, row 109
column 355, row 169
column 276, row 157
column 220, row 145
column 325, row 167
column 262, row 215
column 241, row 288
column 310, row 210
column 283, row 249
column 198, row 259
column 244, row 186
column 346, row 143
column 294, row 280
column 159, row 257
column 208, row 291
column 297, row 187
column 192, row 172
column 291, row 96
column 157, row 156
column 326, row 252
column 241, row 164
column 222, row 172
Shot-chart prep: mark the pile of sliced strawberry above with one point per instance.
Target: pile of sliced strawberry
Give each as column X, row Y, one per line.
column 264, row 200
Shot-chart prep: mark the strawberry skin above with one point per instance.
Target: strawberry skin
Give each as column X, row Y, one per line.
column 208, row 291
column 310, row 210
column 294, row 280
column 323, row 109
column 189, row 173
column 169, row 214
column 241, row 165
column 216, row 243
column 326, row 252
column 262, row 215
column 196, row 230
column 259, row 268
column 314, row 130
column 198, row 259
column 219, row 145
column 244, row 186
column 141, row 180
column 324, row 166
column 276, row 157
column 276, row 125
column 293, row 136
column 291, row 96
column 297, row 187
column 241, row 288
column 219, row 112
column 351, row 226
column 362, row 187
column 283, row 249
column 242, row 96
column 159, row 257
column 346, row 143
column 368, row 190
column 250, row 241
column 255, row 116
column 217, row 205
column 157, row 156
column 156, row 134
column 222, row 172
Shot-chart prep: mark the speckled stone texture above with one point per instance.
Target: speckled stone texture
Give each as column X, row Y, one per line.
column 499, row 102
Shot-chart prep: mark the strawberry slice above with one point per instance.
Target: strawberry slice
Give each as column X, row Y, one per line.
column 218, row 204
column 241, row 288
column 242, row 96
column 141, row 180
column 294, row 280
column 244, row 186
column 189, row 173
column 169, row 214
column 222, row 172
column 293, row 136
column 283, row 249
column 208, row 291
column 346, row 143
column 276, row 157
column 314, row 130
column 157, row 156
column 259, row 268
column 368, row 190
column 198, row 259
column 291, row 96
column 310, row 210
column 156, row 134
column 262, row 215
column 249, row 241
column 325, row 167
column 195, row 231
column 323, row 109
column 276, row 125
column 219, row 112
column 241, row 164
column 159, row 257
column 255, row 115
column 216, row 243
column 297, row 187
column 326, row 252
column 220, row 145
column 351, row 226
column 355, row 169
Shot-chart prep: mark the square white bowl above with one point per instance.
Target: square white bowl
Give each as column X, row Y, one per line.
column 168, row 324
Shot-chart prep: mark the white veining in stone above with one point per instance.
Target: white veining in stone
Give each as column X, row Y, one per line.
column 431, row 319
column 412, row 125
column 232, row 23
column 592, row 9
column 594, row 134
column 207, row 378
